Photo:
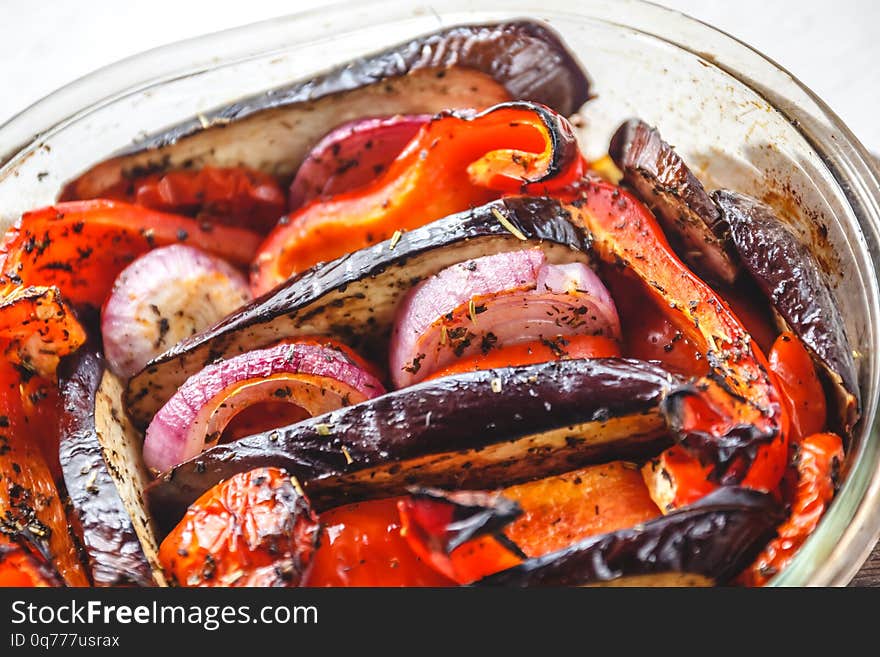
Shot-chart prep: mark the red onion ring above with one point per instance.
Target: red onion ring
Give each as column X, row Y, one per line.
column 163, row 297
column 495, row 301
column 316, row 378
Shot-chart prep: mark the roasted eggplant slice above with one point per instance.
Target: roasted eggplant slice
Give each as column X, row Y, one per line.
column 706, row 543
column 113, row 545
column 661, row 179
column 478, row 430
column 354, row 297
column 788, row 274
column 472, row 66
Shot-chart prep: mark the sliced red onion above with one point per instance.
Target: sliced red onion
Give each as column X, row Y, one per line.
column 352, row 155
column 495, row 301
column 318, row 379
column 163, row 297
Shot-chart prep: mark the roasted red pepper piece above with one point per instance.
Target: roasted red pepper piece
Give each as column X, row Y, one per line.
column 459, row 533
column 731, row 421
column 802, row 391
column 228, row 196
column 20, row 566
column 562, row 510
column 81, row 246
column 455, row 162
column 361, row 545
column 37, row 328
column 254, row 529
column 818, row 460
column 30, row 507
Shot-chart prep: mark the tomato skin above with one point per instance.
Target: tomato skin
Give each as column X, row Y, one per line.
column 360, row 545
column 801, row 388
column 530, row 353
column 254, row 529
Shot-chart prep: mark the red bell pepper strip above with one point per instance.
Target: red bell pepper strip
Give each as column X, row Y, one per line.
column 81, row 246
column 455, row 162
column 30, row 507
column 731, row 424
column 229, row 196
column 37, row 328
column 360, row 545
column 802, row 391
column 818, row 461
column 459, row 533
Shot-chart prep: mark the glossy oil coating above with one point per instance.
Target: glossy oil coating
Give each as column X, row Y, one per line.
column 477, row 430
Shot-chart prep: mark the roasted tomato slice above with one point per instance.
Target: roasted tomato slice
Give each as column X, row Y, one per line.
column 254, row 529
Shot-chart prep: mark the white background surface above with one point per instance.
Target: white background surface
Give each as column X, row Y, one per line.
column 833, row 47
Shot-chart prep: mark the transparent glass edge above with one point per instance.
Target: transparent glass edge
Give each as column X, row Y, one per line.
column 862, row 488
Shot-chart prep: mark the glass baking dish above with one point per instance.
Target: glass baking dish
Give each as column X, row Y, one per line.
column 739, row 119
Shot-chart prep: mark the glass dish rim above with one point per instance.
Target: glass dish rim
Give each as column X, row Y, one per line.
column 846, row 157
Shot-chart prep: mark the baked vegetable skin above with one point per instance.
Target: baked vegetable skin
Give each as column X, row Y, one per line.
column 255, row 529
column 469, row 66
column 732, row 420
column 660, row 178
column 31, row 510
column 705, row 543
column 818, row 460
column 455, row 162
column 113, row 549
column 460, row 532
column 354, row 298
column 477, row 430
column 80, row 247
column 788, row 274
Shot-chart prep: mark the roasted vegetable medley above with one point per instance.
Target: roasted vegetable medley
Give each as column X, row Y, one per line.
column 390, row 327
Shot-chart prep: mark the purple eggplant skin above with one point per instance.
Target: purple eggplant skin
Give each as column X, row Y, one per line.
column 790, row 277
column 708, row 542
column 354, row 297
column 662, row 180
column 113, row 550
column 453, row 432
column 458, row 67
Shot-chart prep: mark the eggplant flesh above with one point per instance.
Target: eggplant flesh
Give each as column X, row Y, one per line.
column 95, row 472
column 791, row 279
column 461, row 67
column 708, row 542
column 354, row 298
column 661, row 179
column 454, row 432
